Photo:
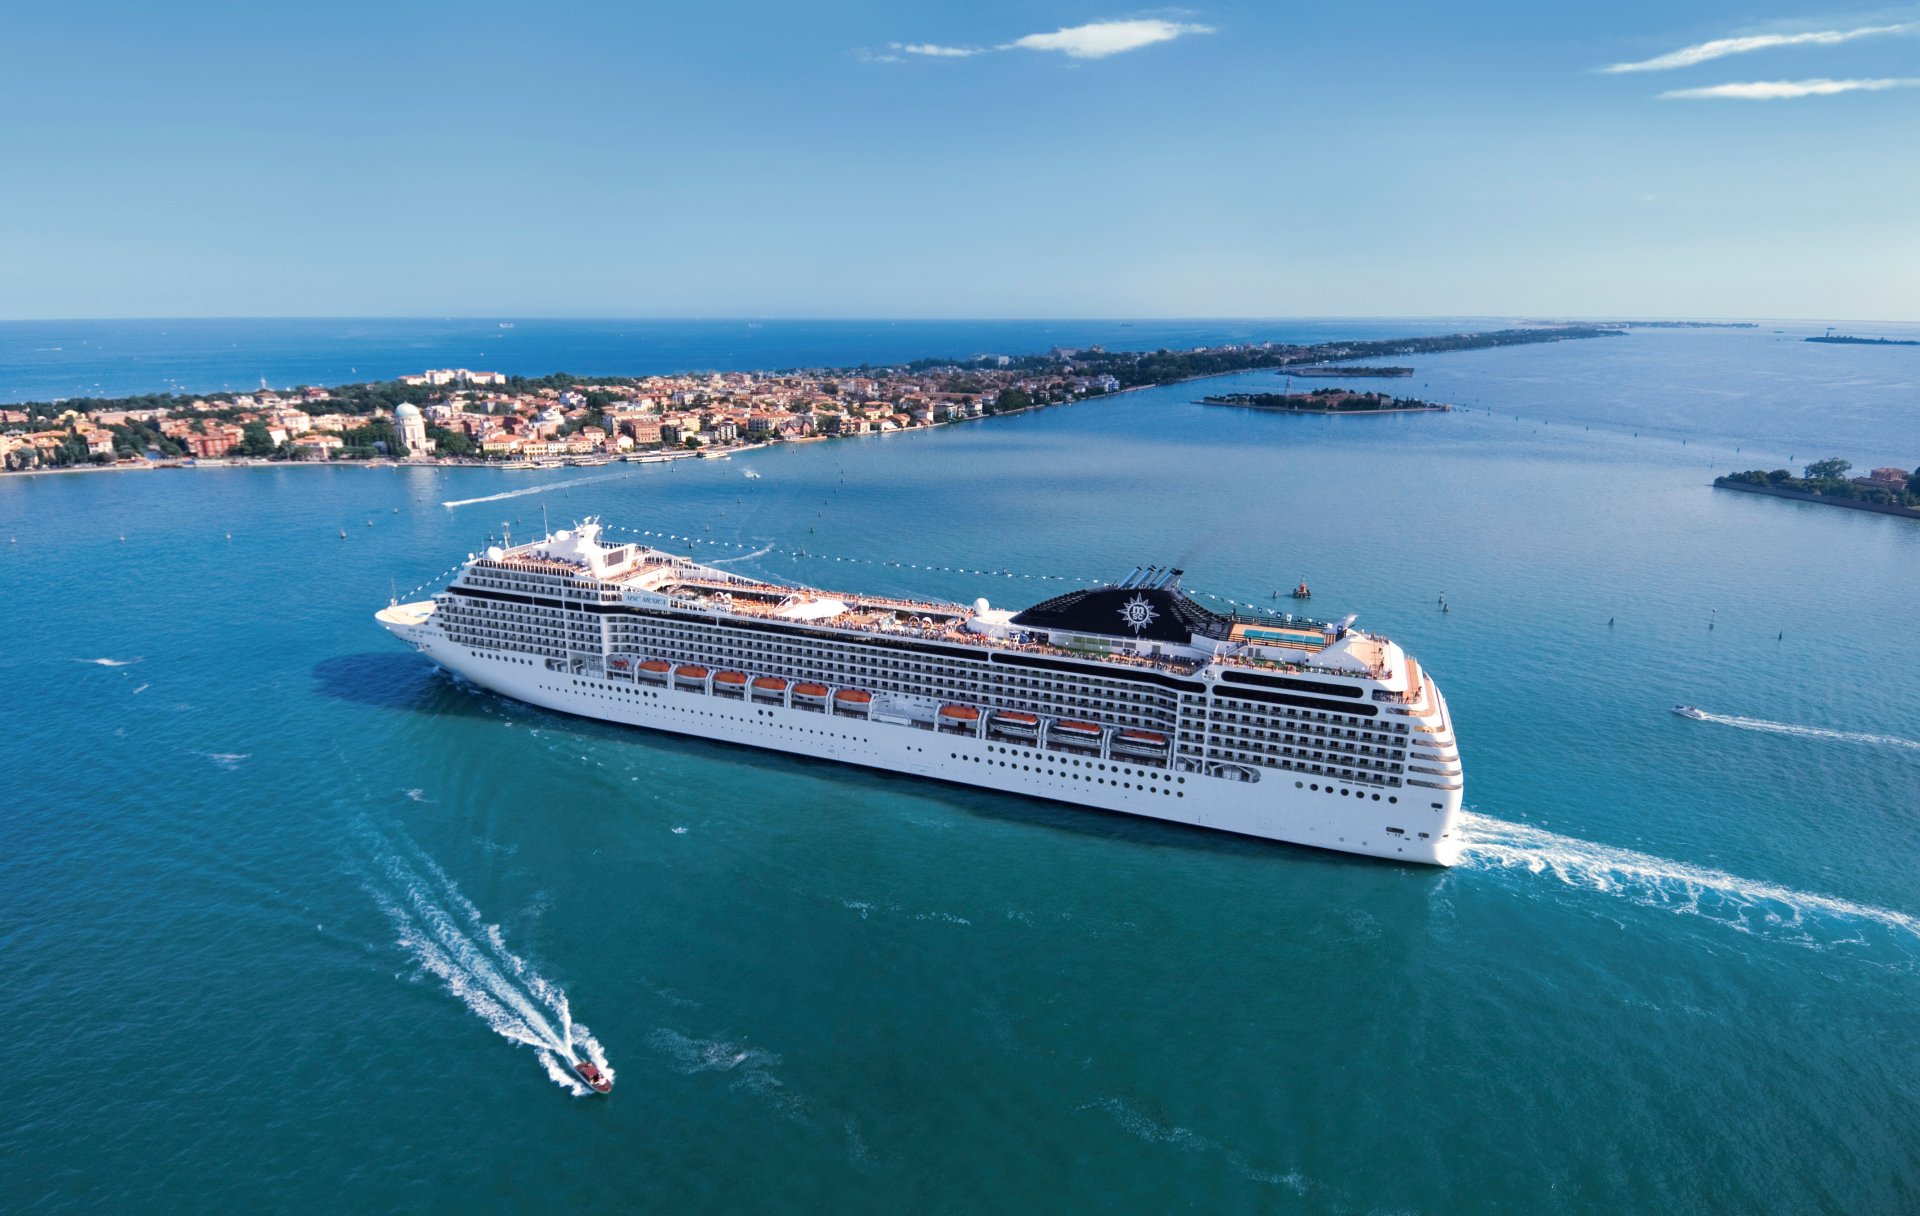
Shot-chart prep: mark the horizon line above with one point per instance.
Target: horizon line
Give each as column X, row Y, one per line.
column 935, row 320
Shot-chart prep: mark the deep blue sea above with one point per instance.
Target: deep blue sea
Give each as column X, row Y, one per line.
column 282, row 908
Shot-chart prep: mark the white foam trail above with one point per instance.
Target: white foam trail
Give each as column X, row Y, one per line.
column 721, row 561
column 1739, row 903
column 109, row 662
column 449, row 939
column 1136, row 1123
column 539, row 489
column 1810, row 732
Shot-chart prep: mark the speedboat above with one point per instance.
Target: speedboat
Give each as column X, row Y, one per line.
column 599, row 1082
column 1691, row 711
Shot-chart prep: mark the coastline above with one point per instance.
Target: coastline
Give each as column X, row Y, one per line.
column 1322, row 352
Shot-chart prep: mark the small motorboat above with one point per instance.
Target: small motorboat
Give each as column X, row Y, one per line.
column 596, row 1080
column 1691, row 711
column 1301, row 592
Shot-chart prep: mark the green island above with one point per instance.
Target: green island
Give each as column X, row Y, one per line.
column 1850, row 340
column 1888, row 490
column 1328, row 401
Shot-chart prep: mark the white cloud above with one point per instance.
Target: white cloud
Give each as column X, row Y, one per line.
column 1095, row 40
column 935, row 50
column 1776, row 90
column 1099, row 39
column 1719, row 48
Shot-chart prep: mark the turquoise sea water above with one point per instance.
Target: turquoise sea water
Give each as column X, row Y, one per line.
column 277, row 900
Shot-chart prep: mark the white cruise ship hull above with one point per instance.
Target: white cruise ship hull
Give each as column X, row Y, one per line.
column 1406, row 824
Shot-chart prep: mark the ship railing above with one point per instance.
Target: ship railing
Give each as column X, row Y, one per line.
column 1236, row 657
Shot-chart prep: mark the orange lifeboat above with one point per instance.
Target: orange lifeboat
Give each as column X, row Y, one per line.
column 690, row 671
column 852, row 702
column 730, row 679
column 959, row 713
column 1014, row 717
column 812, row 691
column 617, row 664
column 657, row 666
column 1143, row 738
column 769, row 684
column 1076, row 728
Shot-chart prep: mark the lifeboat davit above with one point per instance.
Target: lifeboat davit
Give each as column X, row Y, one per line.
column 1014, row 717
column 617, row 664
column 959, row 713
column 1084, row 729
column 1143, row 738
column 599, row 1082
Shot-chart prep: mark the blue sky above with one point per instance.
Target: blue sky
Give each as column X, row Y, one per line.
column 749, row 159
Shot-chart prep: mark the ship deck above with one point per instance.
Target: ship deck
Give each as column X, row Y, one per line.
column 927, row 620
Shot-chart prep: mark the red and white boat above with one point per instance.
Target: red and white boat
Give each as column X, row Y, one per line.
column 599, row 1082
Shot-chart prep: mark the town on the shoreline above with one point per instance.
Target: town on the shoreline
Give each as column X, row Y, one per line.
column 459, row 416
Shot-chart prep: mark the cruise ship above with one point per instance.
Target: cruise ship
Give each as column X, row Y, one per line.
column 1129, row 697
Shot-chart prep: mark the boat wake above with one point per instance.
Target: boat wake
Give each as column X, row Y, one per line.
column 1136, row 1122
column 1810, row 732
column 721, row 561
column 545, row 488
column 1743, row 904
column 109, row 662
column 447, row 938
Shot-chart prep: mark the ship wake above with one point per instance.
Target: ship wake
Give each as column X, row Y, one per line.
column 1749, row 906
column 1811, row 732
column 546, row 488
column 446, row 937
